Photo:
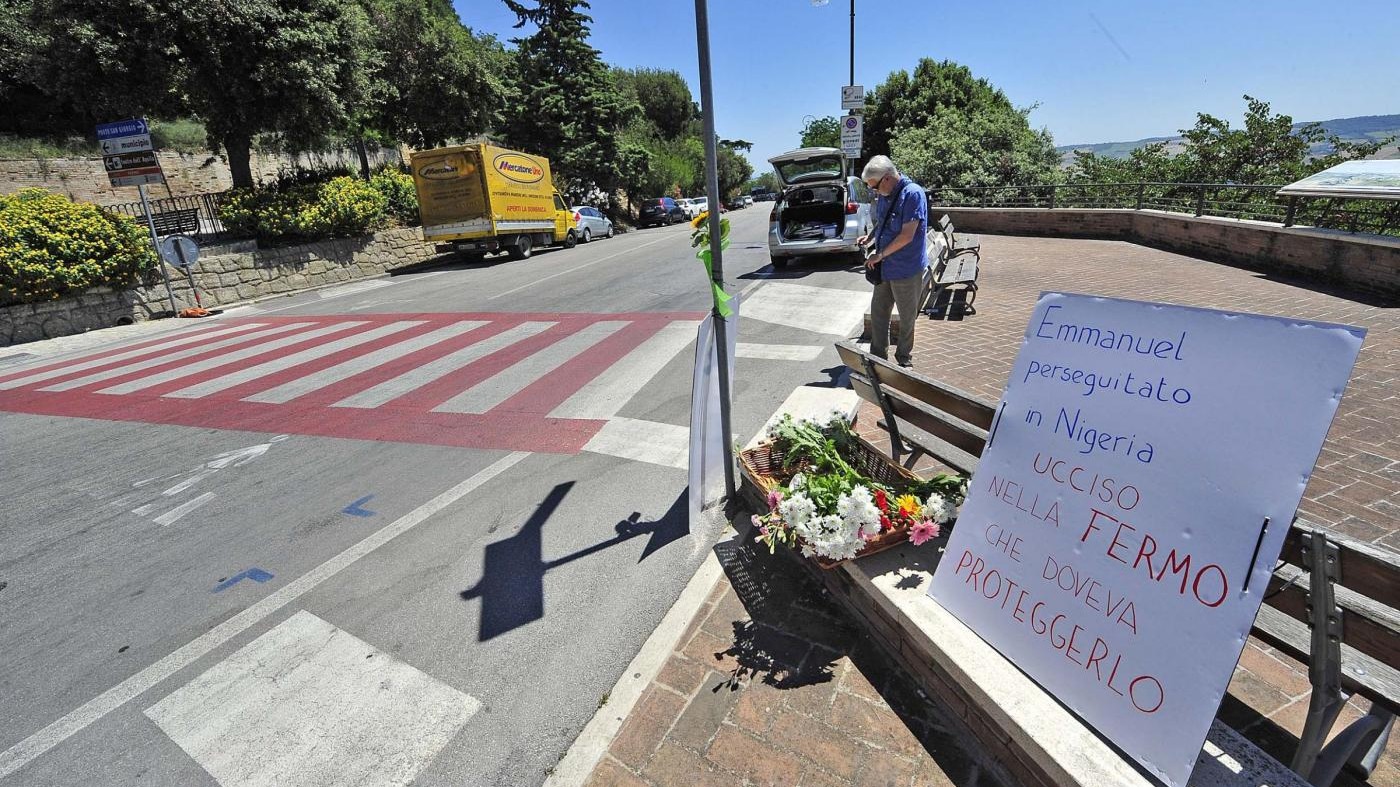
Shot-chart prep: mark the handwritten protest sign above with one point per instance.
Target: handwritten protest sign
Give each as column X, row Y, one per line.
column 1142, row 473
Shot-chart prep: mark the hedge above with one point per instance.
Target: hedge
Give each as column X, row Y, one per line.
column 342, row 207
column 51, row 246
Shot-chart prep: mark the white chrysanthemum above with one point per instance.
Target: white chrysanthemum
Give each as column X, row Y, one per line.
column 796, row 510
column 857, row 509
column 939, row 508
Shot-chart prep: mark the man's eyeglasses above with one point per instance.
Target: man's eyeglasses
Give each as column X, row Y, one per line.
column 875, row 184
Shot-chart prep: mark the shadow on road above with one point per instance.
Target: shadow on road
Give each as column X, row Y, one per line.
column 511, row 587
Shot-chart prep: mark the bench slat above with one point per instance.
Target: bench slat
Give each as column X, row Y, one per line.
column 906, row 408
column 1361, row 674
column 1368, row 626
column 959, row 404
column 944, row 452
column 1363, row 568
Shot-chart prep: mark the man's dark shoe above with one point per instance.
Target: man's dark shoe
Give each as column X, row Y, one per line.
column 906, row 364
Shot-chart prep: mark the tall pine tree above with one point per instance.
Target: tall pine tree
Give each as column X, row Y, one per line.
column 568, row 107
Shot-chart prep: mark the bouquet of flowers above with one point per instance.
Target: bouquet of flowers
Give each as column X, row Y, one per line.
column 828, row 510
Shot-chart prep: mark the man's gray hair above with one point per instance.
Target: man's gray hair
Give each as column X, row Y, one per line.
column 878, row 167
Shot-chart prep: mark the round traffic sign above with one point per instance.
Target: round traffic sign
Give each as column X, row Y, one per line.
column 180, row 251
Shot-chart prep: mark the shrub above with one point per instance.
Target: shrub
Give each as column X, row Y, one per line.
column 398, row 189
column 51, row 246
column 341, row 208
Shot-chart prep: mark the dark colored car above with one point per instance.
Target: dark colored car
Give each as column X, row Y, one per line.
column 661, row 211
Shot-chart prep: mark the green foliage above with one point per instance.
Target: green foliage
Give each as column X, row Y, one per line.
column 764, row 180
column 183, row 135
column 343, row 207
column 663, row 96
column 822, row 132
column 1269, row 149
column 51, row 246
column 945, row 127
column 401, row 198
column 568, row 105
column 732, row 169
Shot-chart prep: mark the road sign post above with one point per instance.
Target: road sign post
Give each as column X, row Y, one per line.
column 155, row 243
column 852, row 135
column 130, row 160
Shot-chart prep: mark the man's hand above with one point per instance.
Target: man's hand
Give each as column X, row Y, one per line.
column 862, row 239
column 872, row 260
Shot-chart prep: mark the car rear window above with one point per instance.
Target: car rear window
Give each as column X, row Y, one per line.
column 652, row 203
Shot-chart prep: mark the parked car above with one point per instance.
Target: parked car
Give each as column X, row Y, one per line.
column 592, row 223
column 822, row 208
column 659, row 211
column 694, row 206
column 735, row 203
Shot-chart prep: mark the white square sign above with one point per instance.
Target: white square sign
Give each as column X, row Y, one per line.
column 853, row 97
column 1113, row 543
column 852, row 129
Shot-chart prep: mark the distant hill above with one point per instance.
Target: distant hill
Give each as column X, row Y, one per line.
column 1357, row 129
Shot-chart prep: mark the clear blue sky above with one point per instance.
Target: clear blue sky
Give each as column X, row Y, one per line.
column 1100, row 70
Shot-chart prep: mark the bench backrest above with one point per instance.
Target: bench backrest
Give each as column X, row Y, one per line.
column 1367, row 583
column 169, row 222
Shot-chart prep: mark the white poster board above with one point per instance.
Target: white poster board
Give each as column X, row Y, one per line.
column 706, row 433
column 1116, row 515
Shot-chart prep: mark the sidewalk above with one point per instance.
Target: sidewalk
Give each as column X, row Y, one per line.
column 772, row 684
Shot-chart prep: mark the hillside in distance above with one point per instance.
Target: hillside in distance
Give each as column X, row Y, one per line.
column 1367, row 128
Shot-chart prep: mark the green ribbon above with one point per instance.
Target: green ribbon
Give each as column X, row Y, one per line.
column 721, row 298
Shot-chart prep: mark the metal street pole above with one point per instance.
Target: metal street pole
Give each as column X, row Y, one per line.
column 707, row 108
column 853, row 43
column 155, row 244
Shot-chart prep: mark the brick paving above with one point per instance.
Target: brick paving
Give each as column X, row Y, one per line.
column 773, row 684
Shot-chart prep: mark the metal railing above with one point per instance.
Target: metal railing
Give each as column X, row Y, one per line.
column 1226, row 200
column 196, row 216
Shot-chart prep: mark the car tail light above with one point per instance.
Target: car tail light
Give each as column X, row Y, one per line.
column 576, row 214
column 850, row 208
column 773, row 214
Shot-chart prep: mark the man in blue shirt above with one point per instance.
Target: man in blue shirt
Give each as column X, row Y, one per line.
column 901, row 219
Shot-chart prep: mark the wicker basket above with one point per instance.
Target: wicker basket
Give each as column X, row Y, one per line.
column 763, row 466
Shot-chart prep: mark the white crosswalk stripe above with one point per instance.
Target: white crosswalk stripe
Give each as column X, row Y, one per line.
column 392, row 389
column 605, row 395
column 224, row 359
column 201, row 336
column 250, row 373
column 343, row 371
column 161, row 360
column 490, row 392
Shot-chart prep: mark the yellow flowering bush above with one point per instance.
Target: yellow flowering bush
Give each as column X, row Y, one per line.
column 339, row 208
column 51, row 246
column 398, row 189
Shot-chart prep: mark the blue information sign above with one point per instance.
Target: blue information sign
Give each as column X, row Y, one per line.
column 123, row 128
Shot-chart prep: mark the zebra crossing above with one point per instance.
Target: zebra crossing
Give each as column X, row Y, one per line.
column 520, row 382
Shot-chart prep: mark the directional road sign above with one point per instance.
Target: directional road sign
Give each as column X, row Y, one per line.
column 133, row 144
column 180, row 251
column 123, row 128
column 128, row 155
column 852, row 135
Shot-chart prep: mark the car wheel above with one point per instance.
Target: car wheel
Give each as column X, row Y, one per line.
column 587, row 235
column 522, row 248
column 610, row 232
column 570, row 240
column 779, row 263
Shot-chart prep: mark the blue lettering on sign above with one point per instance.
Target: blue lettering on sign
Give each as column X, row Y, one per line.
column 255, row 574
column 123, row 128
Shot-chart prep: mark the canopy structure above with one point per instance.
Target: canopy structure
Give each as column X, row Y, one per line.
column 1351, row 179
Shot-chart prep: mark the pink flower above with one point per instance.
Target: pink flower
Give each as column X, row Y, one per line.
column 922, row 532
column 774, row 498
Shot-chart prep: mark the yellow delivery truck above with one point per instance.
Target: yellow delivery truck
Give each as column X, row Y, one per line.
column 481, row 198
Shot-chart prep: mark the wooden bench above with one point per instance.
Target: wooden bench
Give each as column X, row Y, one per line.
column 954, row 264
column 1332, row 602
column 171, row 222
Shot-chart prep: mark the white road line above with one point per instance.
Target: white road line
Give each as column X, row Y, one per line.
column 175, row 514
column 240, row 354
column 777, row 352
column 605, row 394
column 310, row 705
column 428, row 372
column 288, row 361
column 643, row 441
column 816, row 309
column 363, row 363
column 106, row 359
column 508, row 382
column 352, row 288
column 149, row 363
column 24, row 752
column 535, row 282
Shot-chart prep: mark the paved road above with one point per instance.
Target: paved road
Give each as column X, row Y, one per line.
column 408, row 531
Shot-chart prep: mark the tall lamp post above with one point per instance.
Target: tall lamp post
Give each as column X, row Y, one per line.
column 852, row 78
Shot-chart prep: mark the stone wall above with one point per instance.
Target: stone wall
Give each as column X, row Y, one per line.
column 224, row 275
column 1364, row 263
column 85, row 179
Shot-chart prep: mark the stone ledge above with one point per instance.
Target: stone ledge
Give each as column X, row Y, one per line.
column 1039, row 739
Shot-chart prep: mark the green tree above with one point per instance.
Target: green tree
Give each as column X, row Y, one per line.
column 732, row 168
column 764, row 180
column 663, row 96
column 945, row 127
column 435, row 80
column 568, row 106
column 822, row 132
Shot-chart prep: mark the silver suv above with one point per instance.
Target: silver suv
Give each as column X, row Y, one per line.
column 822, row 208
